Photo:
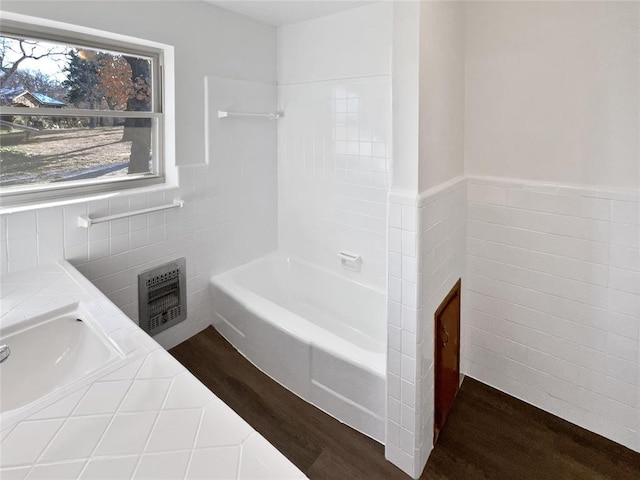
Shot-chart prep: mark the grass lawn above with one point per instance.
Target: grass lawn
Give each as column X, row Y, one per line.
column 56, row 155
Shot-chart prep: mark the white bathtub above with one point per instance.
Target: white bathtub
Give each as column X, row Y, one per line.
column 317, row 333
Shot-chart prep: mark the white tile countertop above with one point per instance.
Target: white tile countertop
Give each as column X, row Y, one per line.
column 143, row 416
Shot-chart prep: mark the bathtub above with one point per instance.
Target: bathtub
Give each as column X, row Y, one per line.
column 320, row 335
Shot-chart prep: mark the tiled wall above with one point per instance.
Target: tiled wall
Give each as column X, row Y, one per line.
column 335, row 138
column 229, row 218
column 333, row 172
column 426, row 258
column 552, row 300
column 402, row 330
column 442, row 261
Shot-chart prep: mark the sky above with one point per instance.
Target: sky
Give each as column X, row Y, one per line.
column 53, row 67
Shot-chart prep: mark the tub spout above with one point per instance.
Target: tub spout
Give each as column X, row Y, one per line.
column 5, row 351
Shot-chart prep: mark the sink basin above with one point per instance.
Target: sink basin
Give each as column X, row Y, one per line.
column 50, row 352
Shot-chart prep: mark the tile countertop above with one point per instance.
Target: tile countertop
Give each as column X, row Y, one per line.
column 144, row 417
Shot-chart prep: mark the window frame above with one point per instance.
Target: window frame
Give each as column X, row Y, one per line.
column 162, row 111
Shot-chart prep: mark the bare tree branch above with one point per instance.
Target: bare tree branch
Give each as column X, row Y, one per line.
column 9, row 68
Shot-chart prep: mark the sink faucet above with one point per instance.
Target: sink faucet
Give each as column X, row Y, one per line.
column 5, row 351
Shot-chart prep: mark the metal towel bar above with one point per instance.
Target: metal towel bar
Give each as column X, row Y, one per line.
column 86, row 221
column 270, row 116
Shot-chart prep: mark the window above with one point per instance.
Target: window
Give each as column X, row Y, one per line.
column 79, row 113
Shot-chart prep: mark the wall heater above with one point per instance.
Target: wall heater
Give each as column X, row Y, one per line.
column 162, row 296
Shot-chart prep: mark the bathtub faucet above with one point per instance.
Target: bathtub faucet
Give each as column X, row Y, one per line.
column 5, row 351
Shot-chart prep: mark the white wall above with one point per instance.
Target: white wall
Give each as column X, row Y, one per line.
column 224, row 204
column 552, row 302
column 552, row 91
column 352, row 43
column 442, row 102
column 334, row 140
column 406, row 94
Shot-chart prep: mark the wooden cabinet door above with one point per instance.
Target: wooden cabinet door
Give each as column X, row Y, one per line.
column 447, row 356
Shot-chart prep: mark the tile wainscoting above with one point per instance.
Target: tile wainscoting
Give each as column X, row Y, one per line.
column 426, row 258
column 551, row 302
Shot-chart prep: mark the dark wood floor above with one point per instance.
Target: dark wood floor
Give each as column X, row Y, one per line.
column 489, row 435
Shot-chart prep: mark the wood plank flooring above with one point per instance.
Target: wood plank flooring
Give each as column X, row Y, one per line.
column 489, row 435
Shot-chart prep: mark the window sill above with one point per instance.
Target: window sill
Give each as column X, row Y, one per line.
column 38, row 205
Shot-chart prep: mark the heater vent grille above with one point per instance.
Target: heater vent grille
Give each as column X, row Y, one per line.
column 162, row 296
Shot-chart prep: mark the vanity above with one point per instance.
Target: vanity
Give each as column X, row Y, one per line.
column 85, row 393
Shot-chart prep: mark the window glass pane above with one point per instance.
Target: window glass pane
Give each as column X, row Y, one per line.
column 44, row 149
column 37, row 73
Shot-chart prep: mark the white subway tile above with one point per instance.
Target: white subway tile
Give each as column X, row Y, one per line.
column 623, row 370
column 119, row 244
column 138, row 239
column 625, row 212
column 407, row 442
column 597, row 230
column 73, row 234
column 121, row 204
column 139, row 222
column 408, row 393
column 622, row 347
column 596, row 208
column 395, row 315
column 528, row 200
column 619, row 391
column 99, row 249
column 393, row 410
column 408, row 344
column 395, row 215
column 50, row 228
column 156, row 219
column 409, row 218
column 625, row 235
column 21, row 225
column 395, row 240
column 486, row 194
column 409, row 269
column 409, row 319
column 624, row 257
column 624, row 280
column 409, row 294
column 139, row 202
column 22, row 253
column 408, row 418
column 77, row 254
column 393, row 386
column 119, row 227
column 393, row 429
column 395, row 289
column 394, row 362
column 99, row 231
column 408, row 368
column 395, row 339
column 624, row 325
column 626, row 303
column 395, row 264
column 408, row 243
column 569, row 205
